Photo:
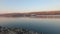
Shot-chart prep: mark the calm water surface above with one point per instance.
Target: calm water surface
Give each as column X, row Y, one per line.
column 46, row 25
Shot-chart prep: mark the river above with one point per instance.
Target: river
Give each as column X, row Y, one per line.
column 45, row 25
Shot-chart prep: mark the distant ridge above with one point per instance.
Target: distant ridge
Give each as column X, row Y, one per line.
column 47, row 13
column 39, row 12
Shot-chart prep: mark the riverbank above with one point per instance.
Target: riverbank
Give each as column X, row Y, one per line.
column 7, row 30
column 34, row 17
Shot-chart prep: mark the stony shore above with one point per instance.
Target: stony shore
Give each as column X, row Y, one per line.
column 6, row 30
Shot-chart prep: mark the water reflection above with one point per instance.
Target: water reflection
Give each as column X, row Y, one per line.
column 36, row 24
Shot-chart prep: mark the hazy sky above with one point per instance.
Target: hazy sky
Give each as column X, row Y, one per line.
column 28, row 5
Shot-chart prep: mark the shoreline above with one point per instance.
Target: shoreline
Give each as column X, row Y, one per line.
column 31, row 17
column 7, row 30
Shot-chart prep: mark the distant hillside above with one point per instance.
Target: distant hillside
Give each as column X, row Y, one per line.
column 40, row 13
column 47, row 13
column 32, row 14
